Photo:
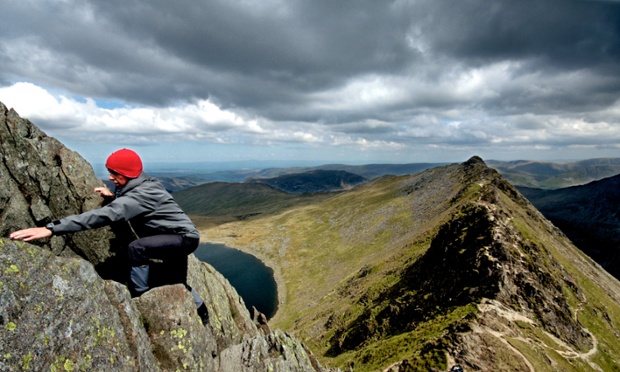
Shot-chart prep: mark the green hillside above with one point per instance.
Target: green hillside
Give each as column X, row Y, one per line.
column 450, row 265
column 219, row 202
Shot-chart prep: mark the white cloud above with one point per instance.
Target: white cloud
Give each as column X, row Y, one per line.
column 59, row 114
column 362, row 93
column 37, row 104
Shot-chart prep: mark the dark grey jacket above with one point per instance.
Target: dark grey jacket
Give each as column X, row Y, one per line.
column 144, row 203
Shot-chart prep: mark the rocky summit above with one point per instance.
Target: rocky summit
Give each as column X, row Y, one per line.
column 64, row 305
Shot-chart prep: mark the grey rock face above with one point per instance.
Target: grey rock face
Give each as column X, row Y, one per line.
column 59, row 308
column 42, row 181
column 53, row 314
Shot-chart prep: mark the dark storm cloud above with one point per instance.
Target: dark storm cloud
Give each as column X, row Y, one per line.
column 251, row 55
column 298, row 46
column 162, row 51
column 564, row 34
column 437, row 72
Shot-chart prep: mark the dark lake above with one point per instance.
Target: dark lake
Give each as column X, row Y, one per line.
column 252, row 279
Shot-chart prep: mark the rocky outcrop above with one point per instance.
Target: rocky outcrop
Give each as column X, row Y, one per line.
column 63, row 304
column 58, row 313
column 42, row 180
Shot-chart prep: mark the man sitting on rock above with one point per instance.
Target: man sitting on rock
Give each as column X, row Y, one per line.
column 164, row 231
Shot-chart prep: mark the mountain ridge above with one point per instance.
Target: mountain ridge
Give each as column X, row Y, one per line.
column 450, row 265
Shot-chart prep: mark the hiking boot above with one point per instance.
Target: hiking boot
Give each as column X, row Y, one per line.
column 203, row 314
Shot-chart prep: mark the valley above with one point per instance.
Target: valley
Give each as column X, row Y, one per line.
column 417, row 269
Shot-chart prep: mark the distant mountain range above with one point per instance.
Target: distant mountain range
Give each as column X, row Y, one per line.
column 368, row 171
column 555, row 175
column 174, row 180
column 219, row 202
column 527, row 173
column 319, row 180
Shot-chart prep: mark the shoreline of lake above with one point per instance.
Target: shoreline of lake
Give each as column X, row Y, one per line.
column 230, row 241
column 251, row 277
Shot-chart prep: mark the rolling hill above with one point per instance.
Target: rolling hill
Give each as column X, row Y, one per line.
column 219, row 202
column 319, row 180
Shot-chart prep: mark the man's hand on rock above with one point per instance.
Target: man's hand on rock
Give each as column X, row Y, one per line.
column 103, row 191
column 32, row 233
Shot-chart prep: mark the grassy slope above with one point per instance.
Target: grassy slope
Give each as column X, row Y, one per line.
column 595, row 303
column 215, row 203
column 334, row 259
column 350, row 246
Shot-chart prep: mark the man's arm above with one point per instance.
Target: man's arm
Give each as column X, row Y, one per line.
column 32, row 233
column 35, row 233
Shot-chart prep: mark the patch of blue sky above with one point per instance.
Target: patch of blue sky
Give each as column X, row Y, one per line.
column 110, row 104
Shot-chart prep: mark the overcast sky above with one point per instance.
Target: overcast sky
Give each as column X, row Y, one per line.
column 363, row 81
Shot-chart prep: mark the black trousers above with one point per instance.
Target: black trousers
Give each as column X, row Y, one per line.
column 170, row 266
column 163, row 247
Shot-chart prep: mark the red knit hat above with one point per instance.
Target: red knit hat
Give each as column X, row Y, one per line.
column 125, row 162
